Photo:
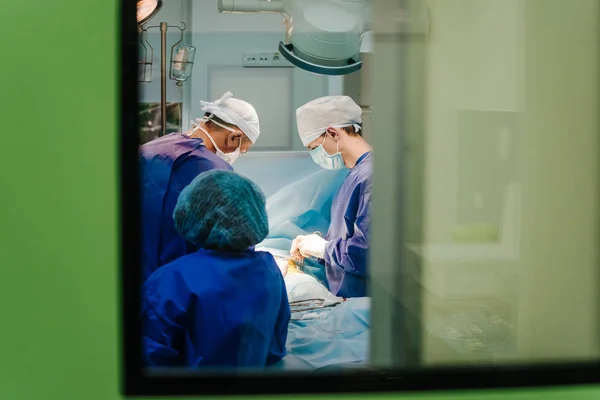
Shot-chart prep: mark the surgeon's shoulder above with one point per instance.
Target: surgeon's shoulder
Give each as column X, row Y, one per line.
column 168, row 270
column 366, row 165
column 167, row 281
column 268, row 261
column 365, row 172
column 265, row 256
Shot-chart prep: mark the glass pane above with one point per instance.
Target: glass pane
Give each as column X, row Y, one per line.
column 483, row 246
column 496, row 167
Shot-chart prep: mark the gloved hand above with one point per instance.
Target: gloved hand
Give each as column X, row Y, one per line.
column 311, row 245
column 283, row 265
column 294, row 249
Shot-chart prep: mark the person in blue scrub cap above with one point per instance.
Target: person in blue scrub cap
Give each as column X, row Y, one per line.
column 224, row 305
column 331, row 128
column 228, row 128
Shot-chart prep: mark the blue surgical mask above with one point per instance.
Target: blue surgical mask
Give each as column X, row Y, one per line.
column 324, row 160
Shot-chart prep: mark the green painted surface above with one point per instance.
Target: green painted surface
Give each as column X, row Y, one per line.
column 58, row 251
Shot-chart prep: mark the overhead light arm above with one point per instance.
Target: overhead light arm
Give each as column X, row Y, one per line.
column 250, row 6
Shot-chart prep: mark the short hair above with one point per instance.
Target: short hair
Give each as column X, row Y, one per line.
column 351, row 130
column 216, row 119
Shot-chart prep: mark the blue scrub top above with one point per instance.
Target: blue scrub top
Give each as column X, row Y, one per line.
column 346, row 253
column 215, row 309
column 167, row 165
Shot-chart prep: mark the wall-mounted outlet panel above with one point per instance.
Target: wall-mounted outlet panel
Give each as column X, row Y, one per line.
column 265, row 60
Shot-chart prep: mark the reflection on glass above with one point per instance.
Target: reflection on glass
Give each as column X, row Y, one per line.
column 500, row 212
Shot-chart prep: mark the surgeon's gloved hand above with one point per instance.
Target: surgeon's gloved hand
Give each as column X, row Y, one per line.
column 294, row 250
column 312, row 245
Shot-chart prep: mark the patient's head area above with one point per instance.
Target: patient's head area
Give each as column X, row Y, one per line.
column 221, row 210
column 299, row 285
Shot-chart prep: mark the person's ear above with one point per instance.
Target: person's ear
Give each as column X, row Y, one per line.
column 333, row 133
column 234, row 139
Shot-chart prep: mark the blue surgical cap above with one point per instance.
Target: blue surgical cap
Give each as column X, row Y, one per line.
column 221, row 210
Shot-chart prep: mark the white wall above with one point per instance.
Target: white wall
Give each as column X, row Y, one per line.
column 207, row 19
column 220, row 40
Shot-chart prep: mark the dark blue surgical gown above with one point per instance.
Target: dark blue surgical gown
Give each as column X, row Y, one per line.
column 346, row 253
column 215, row 309
column 167, row 165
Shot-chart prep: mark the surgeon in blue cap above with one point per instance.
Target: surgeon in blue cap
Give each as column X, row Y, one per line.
column 228, row 128
column 225, row 304
column 330, row 127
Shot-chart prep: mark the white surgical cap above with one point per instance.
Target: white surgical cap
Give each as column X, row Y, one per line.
column 236, row 112
column 317, row 115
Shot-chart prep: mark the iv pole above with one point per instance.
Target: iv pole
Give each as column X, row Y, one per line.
column 163, row 78
column 146, row 9
column 163, row 26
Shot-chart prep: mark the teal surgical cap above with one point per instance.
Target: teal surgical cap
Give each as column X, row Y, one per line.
column 221, row 210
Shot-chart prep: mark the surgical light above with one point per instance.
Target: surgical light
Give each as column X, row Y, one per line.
column 146, row 9
column 321, row 36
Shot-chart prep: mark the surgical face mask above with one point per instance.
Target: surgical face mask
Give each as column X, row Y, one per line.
column 229, row 158
column 324, row 160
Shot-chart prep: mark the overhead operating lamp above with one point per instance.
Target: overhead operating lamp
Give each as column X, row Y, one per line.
column 321, row 36
column 182, row 56
column 146, row 9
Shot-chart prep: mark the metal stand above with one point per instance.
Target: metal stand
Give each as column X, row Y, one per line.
column 163, row 77
column 163, row 66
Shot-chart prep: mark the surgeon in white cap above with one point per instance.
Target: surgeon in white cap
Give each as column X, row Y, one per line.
column 228, row 128
column 330, row 127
